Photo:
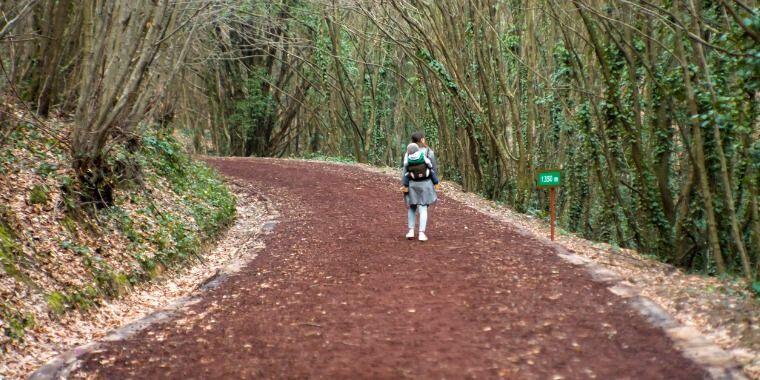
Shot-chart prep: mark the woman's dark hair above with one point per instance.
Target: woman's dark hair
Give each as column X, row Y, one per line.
column 417, row 137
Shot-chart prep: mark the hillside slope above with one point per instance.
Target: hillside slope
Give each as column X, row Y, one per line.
column 59, row 255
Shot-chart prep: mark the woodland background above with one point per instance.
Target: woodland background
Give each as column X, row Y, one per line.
column 649, row 106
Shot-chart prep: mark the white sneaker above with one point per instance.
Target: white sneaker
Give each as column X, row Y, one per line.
column 410, row 235
column 423, row 237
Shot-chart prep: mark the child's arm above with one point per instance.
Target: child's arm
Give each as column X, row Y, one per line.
column 434, row 177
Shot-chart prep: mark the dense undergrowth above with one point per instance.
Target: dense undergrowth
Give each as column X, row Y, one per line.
column 59, row 255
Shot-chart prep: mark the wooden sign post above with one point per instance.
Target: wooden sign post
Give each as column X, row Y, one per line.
column 550, row 178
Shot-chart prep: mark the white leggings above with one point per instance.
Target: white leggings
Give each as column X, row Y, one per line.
column 423, row 216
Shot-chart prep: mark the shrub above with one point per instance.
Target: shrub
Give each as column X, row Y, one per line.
column 39, row 195
column 15, row 323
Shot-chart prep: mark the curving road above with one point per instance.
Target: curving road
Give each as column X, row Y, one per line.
column 338, row 293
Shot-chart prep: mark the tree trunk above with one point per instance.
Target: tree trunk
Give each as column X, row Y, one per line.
column 699, row 162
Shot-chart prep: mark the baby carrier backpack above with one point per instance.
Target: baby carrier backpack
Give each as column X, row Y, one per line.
column 418, row 169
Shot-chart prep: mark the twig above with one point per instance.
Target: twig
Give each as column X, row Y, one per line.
column 7, row 28
column 182, row 25
column 41, row 125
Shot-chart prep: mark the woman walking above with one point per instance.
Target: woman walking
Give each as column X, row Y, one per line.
column 420, row 192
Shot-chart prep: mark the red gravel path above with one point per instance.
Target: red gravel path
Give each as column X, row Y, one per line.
column 338, row 293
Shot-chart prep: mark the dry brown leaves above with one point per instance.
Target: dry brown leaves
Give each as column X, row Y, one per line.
column 53, row 336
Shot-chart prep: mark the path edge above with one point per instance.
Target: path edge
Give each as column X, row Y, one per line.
column 692, row 344
column 61, row 366
column 717, row 362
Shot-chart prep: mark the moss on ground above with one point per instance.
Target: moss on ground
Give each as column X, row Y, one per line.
column 70, row 224
column 198, row 208
column 56, row 302
column 15, row 323
column 9, row 247
column 38, row 195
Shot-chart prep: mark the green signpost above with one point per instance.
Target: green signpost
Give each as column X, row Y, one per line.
column 551, row 179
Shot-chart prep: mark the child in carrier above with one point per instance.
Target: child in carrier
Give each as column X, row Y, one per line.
column 417, row 166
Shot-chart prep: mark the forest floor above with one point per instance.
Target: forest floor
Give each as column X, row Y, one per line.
column 59, row 335
column 338, row 292
column 70, row 272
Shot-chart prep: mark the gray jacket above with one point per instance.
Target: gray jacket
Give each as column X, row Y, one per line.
column 422, row 192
